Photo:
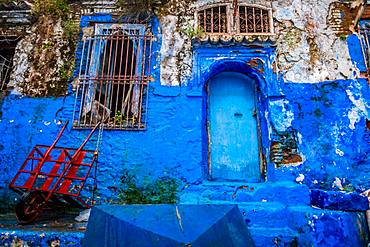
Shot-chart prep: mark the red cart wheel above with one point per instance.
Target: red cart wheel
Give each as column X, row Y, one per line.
column 28, row 208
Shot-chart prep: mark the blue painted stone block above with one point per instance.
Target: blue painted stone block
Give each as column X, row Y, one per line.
column 167, row 225
column 339, row 200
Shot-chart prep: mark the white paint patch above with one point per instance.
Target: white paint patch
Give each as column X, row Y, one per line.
column 299, row 137
column 338, row 183
column 360, row 109
column 359, row 103
column 281, row 117
column 339, row 152
column 300, row 178
column 354, row 117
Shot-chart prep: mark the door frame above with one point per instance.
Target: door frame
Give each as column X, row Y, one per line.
column 258, row 61
column 258, row 124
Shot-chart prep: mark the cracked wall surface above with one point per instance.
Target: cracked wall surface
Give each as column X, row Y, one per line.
column 311, row 41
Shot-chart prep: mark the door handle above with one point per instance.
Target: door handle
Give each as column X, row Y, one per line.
column 238, row 114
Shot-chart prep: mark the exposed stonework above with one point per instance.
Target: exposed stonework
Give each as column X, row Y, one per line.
column 39, row 60
column 176, row 51
column 310, row 37
column 313, row 44
column 308, row 42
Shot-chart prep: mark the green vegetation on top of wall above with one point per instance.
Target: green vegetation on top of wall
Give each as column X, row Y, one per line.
column 140, row 10
column 53, row 53
column 56, row 8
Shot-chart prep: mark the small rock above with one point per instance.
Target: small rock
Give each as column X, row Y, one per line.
column 84, row 216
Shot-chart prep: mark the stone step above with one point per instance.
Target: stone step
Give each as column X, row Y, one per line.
column 265, row 214
column 271, row 214
column 266, row 237
column 287, row 193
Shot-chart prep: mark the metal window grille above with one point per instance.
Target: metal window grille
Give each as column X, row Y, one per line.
column 254, row 20
column 113, row 78
column 213, row 20
column 5, row 69
column 365, row 46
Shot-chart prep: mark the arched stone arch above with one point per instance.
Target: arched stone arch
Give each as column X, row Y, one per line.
column 238, row 66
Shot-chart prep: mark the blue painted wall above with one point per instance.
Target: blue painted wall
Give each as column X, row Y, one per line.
column 175, row 143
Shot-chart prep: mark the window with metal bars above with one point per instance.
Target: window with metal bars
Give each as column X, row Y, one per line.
column 113, row 78
column 365, row 46
column 253, row 20
column 5, row 69
column 244, row 20
column 213, row 20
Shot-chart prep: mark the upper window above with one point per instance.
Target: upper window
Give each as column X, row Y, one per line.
column 214, row 19
column 113, row 77
column 253, row 20
column 242, row 19
column 5, row 69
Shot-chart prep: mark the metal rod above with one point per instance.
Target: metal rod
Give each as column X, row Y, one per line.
column 69, row 164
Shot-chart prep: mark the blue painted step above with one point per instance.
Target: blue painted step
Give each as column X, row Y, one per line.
column 266, row 237
column 287, row 193
column 265, row 214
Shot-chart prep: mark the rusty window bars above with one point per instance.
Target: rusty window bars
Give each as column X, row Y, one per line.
column 213, row 20
column 253, row 20
column 245, row 20
column 113, row 78
column 365, row 46
column 5, row 69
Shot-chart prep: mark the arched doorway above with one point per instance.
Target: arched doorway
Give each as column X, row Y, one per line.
column 232, row 128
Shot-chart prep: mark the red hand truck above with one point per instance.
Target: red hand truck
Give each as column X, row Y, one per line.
column 52, row 175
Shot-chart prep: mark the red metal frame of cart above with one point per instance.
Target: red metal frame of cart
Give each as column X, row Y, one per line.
column 52, row 175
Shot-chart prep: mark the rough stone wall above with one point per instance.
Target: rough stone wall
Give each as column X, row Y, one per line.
column 311, row 41
column 39, row 58
column 309, row 48
column 176, row 50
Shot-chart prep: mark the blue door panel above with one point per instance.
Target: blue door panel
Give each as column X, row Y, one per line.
column 233, row 128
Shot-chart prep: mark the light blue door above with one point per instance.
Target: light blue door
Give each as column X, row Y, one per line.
column 232, row 123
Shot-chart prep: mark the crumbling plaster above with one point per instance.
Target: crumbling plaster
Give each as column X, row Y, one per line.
column 308, row 47
column 316, row 52
column 38, row 60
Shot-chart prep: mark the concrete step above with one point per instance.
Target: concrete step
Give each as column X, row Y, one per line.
column 287, row 193
column 266, row 237
column 265, row 214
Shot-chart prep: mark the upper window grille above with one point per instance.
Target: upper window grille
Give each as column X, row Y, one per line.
column 113, row 78
column 213, row 20
column 253, row 20
column 365, row 46
column 242, row 19
column 5, row 69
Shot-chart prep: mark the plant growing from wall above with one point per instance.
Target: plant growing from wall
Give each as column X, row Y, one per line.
column 162, row 190
column 53, row 41
column 140, row 10
column 192, row 32
column 56, row 8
